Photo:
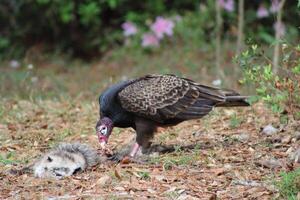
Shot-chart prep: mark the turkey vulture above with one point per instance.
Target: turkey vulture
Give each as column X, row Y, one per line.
column 157, row 100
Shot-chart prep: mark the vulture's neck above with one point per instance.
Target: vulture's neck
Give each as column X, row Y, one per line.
column 109, row 95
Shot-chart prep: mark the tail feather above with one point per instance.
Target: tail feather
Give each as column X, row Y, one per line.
column 231, row 101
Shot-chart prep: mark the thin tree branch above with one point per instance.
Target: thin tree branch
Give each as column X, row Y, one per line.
column 219, row 23
column 276, row 54
column 240, row 27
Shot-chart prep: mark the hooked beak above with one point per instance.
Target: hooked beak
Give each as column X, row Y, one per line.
column 102, row 139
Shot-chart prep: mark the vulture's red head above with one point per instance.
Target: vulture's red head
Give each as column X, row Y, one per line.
column 104, row 128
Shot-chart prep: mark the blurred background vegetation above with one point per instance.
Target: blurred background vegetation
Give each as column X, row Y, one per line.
column 90, row 28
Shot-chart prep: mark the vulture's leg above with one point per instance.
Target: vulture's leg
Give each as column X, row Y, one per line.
column 144, row 130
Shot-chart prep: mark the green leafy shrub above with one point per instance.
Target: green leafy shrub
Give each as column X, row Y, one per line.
column 280, row 91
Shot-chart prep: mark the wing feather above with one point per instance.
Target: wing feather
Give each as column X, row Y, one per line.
column 162, row 97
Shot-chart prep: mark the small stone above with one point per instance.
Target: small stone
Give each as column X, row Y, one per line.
column 251, row 149
column 270, row 163
column 103, row 180
column 297, row 135
column 269, row 130
column 243, row 137
column 296, row 156
column 151, row 191
column 159, row 177
column 119, row 188
column 286, row 139
column 197, row 134
column 289, row 152
column 131, row 192
column 227, row 167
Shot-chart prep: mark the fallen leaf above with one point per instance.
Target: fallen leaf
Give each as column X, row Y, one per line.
column 117, row 174
column 151, row 190
column 119, row 188
column 219, row 171
column 213, row 197
column 12, row 127
column 286, row 139
column 103, row 180
column 125, row 160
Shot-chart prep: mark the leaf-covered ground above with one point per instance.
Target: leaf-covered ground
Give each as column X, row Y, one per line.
column 231, row 158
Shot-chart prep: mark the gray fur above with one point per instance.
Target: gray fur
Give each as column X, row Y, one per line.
column 65, row 160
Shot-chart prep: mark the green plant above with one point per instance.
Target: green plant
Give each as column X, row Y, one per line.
column 8, row 159
column 143, row 175
column 289, row 184
column 235, row 121
column 280, row 91
column 180, row 160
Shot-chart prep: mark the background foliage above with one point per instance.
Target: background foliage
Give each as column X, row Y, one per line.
column 91, row 27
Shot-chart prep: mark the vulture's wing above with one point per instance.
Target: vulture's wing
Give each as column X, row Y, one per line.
column 162, row 97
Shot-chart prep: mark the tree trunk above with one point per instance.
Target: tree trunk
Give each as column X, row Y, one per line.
column 276, row 54
column 219, row 23
column 240, row 35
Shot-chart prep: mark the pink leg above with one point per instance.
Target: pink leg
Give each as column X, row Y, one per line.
column 134, row 150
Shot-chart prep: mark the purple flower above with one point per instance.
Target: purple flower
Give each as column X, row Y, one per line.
column 275, row 6
column 280, row 28
column 14, row 64
column 162, row 26
column 262, row 11
column 129, row 29
column 228, row 5
column 149, row 39
column 178, row 18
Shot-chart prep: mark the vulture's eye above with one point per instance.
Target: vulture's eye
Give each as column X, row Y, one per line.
column 103, row 130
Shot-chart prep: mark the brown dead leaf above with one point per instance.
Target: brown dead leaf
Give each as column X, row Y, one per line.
column 117, row 174
column 213, row 197
column 103, row 180
column 159, row 177
column 44, row 126
column 126, row 160
column 119, row 188
column 219, row 171
column 12, row 127
column 35, row 143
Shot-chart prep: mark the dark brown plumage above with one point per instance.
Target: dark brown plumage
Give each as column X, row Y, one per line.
column 158, row 100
